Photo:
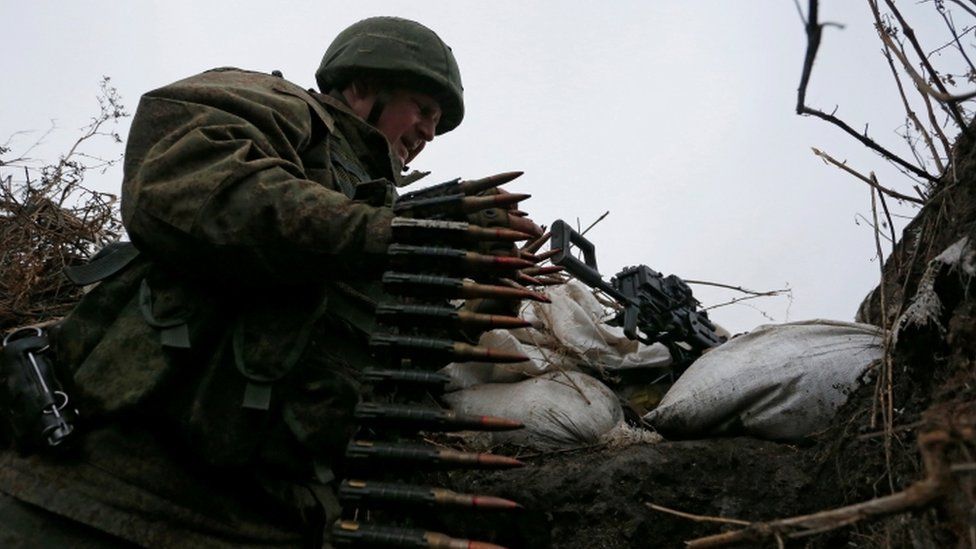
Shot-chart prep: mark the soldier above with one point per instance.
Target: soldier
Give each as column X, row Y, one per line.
column 217, row 363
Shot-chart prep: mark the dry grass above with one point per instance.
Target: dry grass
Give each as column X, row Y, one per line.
column 49, row 220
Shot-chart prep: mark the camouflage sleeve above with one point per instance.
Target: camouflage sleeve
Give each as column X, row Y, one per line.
column 215, row 183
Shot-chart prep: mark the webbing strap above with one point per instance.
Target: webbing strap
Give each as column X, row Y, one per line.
column 172, row 332
column 338, row 157
column 110, row 260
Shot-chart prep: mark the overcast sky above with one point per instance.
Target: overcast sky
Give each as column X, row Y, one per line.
column 675, row 116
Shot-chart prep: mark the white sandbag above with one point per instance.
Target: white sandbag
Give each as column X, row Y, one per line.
column 570, row 333
column 779, row 382
column 559, row 409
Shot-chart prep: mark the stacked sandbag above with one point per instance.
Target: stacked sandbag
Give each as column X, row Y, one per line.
column 568, row 334
column 779, row 382
column 558, row 409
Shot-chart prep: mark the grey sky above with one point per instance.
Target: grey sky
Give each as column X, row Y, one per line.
column 676, row 116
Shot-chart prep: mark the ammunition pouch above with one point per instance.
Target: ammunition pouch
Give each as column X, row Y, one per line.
column 33, row 400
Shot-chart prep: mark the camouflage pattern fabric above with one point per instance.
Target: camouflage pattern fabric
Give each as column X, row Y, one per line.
column 218, row 371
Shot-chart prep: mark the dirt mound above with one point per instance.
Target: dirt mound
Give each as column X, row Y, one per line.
column 599, row 498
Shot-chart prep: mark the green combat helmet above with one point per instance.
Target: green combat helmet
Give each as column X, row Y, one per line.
column 401, row 51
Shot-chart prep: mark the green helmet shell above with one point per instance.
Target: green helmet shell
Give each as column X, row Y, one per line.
column 400, row 51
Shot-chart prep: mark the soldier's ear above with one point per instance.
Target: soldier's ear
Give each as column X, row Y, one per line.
column 360, row 95
column 363, row 89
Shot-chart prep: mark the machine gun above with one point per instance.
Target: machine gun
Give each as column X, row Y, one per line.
column 655, row 308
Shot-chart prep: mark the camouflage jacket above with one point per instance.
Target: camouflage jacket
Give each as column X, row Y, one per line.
column 232, row 342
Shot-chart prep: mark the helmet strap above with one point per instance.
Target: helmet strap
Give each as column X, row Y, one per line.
column 382, row 98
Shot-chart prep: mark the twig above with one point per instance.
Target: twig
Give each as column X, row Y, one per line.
column 954, row 41
column 963, row 6
column 908, row 109
column 697, row 518
column 599, row 219
column 947, row 17
column 738, row 288
column 843, row 165
column 943, row 94
column 891, row 225
column 899, row 429
column 917, row 495
column 738, row 300
column 888, row 409
column 872, row 225
column 814, row 30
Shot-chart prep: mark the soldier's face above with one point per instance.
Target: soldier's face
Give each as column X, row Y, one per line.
column 409, row 121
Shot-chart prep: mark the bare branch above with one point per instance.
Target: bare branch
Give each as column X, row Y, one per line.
column 943, row 94
column 915, row 496
column 814, row 30
column 947, row 18
column 697, row 518
column 911, row 112
column 843, row 165
column 745, row 298
column 869, row 223
column 737, row 288
column 954, row 41
column 599, row 219
column 963, row 6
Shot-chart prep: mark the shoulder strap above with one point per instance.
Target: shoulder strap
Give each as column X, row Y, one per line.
column 108, row 261
column 285, row 87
